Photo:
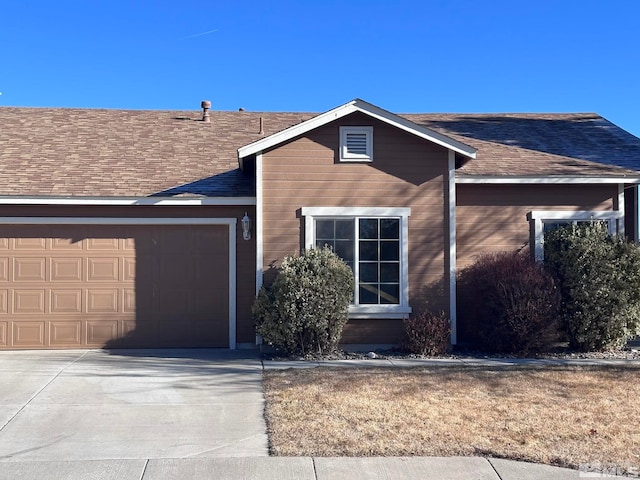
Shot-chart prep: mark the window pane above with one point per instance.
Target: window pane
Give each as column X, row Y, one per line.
column 369, row 272
column 390, row 228
column 369, row 250
column 368, row 294
column 368, row 228
column 345, row 229
column 389, row 272
column 389, row 250
column 324, row 230
column 344, row 249
column 377, row 254
column 390, row 293
column 325, row 243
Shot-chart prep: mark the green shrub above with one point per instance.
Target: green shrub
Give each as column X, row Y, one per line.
column 599, row 278
column 515, row 302
column 427, row 333
column 306, row 307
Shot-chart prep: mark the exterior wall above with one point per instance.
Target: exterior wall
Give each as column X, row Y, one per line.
column 492, row 218
column 246, row 250
column 406, row 172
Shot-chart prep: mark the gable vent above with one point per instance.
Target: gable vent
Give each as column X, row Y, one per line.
column 356, row 144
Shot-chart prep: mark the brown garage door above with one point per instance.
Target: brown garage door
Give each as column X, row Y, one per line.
column 68, row 286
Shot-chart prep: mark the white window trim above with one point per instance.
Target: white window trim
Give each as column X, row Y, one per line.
column 540, row 217
column 345, row 156
column 401, row 310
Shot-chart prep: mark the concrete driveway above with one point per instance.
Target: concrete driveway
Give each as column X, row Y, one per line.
column 130, row 404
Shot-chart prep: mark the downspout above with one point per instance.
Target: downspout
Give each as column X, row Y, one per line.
column 259, row 239
column 451, row 214
column 619, row 206
column 258, row 227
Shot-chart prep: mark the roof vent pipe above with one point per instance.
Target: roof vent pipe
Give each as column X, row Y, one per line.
column 206, row 105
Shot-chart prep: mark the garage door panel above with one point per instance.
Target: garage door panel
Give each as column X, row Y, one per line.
column 66, row 244
column 102, row 244
column 4, row 269
column 66, row 269
column 66, row 301
column 65, row 333
column 28, row 333
column 174, row 270
column 29, row 269
column 171, row 301
column 66, row 286
column 102, row 300
column 4, row 300
column 30, row 244
column 103, row 269
column 4, row 243
column 173, row 238
column 99, row 332
column 129, row 269
column 129, row 301
column 29, row 301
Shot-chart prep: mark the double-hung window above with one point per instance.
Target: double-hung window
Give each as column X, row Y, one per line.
column 373, row 242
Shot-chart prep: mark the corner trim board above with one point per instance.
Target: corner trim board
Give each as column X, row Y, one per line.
column 451, row 214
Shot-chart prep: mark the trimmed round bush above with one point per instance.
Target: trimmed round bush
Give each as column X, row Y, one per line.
column 515, row 301
column 306, row 307
column 599, row 279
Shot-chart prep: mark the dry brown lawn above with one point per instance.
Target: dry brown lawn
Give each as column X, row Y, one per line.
column 568, row 416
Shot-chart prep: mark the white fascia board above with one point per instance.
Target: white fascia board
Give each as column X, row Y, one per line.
column 346, row 109
column 114, row 221
column 522, row 180
column 125, row 201
column 415, row 129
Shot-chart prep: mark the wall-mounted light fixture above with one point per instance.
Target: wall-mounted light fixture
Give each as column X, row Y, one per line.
column 246, row 227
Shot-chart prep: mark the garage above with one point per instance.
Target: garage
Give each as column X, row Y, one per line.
column 117, row 283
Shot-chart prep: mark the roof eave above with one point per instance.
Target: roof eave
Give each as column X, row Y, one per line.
column 356, row 105
column 548, row 179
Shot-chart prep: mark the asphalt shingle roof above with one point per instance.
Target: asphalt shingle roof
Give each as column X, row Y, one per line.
column 540, row 144
column 135, row 153
column 131, row 153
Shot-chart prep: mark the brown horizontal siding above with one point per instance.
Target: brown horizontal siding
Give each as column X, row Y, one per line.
column 376, row 331
column 544, row 197
column 406, row 172
column 492, row 218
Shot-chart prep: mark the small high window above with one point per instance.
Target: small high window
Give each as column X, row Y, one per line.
column 543, row 221
column 356, row 144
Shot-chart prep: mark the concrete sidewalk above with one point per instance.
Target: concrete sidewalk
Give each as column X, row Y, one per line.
column 298, row 468
column 423, row 362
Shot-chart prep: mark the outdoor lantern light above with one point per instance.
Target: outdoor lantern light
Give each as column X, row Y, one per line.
column 246, row 227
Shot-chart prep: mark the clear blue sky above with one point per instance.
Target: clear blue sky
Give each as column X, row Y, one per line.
column 403, row 55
